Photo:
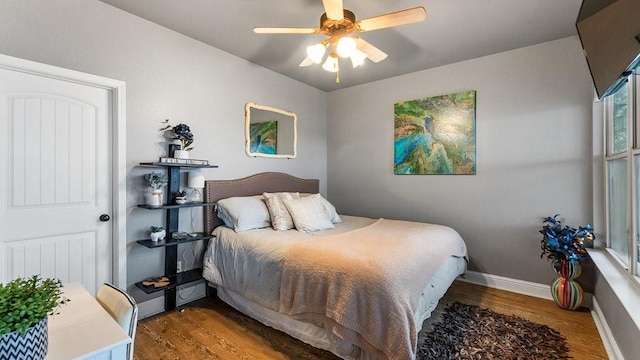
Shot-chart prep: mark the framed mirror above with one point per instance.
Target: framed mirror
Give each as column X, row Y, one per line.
column 270, row 132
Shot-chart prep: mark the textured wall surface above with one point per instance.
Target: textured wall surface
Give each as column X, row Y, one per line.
column 167, row 75
column 533, row 133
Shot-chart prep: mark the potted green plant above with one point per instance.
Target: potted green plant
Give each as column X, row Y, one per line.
column 157, row 233
column 564, row 246
column 24, row 308
column 156, row 180
column 181, row 133
column 181, row 196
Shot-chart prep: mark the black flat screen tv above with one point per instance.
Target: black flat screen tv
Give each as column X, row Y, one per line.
column 610, row 35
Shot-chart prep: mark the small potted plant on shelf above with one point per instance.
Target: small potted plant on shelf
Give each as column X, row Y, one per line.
column 156, row 180
column 157, row 233
column 24, row 308
column 564, row 246
column 181, row 197
column 182, row 133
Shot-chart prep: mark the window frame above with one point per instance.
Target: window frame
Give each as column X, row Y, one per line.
column 630, row 263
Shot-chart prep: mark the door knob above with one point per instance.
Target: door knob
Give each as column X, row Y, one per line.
column 104, row 217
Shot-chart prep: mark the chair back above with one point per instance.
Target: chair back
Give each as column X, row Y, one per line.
column 122, row 308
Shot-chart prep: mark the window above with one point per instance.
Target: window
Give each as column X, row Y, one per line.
column 622, row 172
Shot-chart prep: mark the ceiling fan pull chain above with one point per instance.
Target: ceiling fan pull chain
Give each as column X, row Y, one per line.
column 338, row 76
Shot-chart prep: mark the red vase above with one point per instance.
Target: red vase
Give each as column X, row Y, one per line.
column 566, row 292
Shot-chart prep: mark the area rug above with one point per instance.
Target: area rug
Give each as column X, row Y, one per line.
column 469, row 332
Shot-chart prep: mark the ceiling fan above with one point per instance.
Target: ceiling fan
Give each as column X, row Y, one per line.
column 338, row 24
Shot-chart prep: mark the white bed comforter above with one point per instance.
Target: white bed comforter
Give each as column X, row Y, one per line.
column 251, row 263
column 365, row 284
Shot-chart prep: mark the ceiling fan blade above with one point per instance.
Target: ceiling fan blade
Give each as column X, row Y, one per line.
column 334, row 9
column 284, row 30
column 306, row 62
column 397, row 18
column 373, row 53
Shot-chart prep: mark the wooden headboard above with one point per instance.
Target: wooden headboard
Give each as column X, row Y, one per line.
column 215, row 190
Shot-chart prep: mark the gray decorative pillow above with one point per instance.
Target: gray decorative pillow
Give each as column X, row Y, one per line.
column 308, row 213
column 280, row 217
column 244, row 213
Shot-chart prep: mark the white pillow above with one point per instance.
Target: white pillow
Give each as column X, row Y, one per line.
column 308, row 213
column 329, row 208
column 244, row 213
column 331, row 211
column 280, row 217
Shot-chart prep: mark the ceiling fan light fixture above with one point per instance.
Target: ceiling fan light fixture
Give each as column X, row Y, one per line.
column 357, row 58
column 316, row 52
column 331, row 64
column 339, row 25
column 346, row 46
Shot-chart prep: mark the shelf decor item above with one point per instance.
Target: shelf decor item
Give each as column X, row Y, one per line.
column 157, row 282
column 181, row 197
column 156, row 180
column 181, row 133
column 155, row 198
column 195, row 181
column 24, row 308
column 157, row 233
column 564, row 246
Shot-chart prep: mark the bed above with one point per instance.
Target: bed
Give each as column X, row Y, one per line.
column 359, row 288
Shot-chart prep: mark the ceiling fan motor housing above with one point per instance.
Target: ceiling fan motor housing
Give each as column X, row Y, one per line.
column 338, row 27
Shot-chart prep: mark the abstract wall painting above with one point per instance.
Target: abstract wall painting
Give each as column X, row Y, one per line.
column 436, row 135
column 264, row 137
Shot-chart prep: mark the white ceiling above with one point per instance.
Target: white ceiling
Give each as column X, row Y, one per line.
column 455, row 30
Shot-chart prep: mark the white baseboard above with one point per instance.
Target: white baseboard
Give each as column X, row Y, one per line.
column 517, row 286
column 185, row 294
column 508, row 284
column 609, row 342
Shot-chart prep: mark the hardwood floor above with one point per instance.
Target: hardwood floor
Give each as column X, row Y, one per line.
column 210, row 329
column 578, row 326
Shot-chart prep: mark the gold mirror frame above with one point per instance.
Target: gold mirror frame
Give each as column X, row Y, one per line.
column 285, row 138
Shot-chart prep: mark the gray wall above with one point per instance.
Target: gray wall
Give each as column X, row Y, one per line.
column 623, row 329
column 169, row 76
column 533, row 131
column 533, row 128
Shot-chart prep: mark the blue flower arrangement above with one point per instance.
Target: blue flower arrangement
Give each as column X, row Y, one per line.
column 564, row 242
column 182, row 133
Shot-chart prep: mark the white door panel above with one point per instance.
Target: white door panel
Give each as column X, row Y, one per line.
column 70, row 258
column 55, row 179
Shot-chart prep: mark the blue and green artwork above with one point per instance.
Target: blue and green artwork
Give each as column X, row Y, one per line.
column 264, row 137
column 436, row 135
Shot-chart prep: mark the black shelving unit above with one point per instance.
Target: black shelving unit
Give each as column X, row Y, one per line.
column 173, row 242
column 176, row 206
column 176, row 280
column 171, row 225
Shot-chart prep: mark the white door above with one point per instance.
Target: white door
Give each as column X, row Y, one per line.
column 55, row 179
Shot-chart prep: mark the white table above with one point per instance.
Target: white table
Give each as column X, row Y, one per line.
column 84, row 330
